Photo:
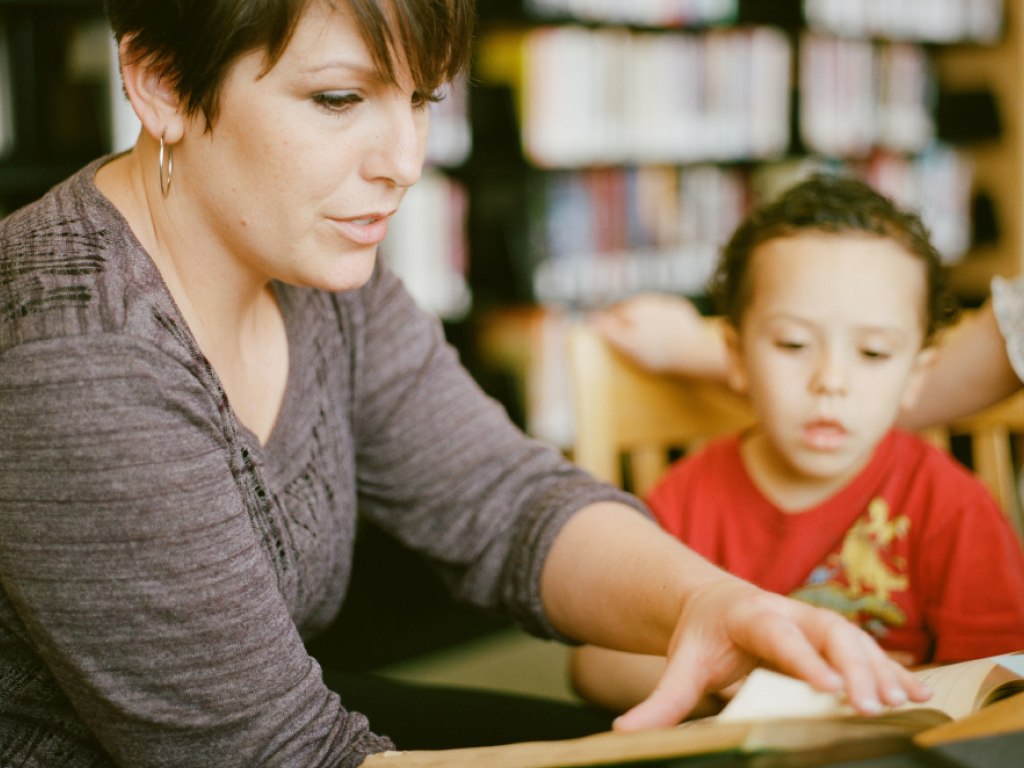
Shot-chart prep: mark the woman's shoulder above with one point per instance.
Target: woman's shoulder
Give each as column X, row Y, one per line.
column 70, row 266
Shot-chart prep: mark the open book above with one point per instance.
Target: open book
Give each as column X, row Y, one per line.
column 774, row 712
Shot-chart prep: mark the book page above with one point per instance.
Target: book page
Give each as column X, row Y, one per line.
column 958, row 689
column 770, row 712
column 767, row 694
column 963, row 688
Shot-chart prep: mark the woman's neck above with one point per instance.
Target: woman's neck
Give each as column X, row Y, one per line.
column 232, row 314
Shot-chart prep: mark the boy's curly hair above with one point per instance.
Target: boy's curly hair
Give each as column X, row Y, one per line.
column 831, row 204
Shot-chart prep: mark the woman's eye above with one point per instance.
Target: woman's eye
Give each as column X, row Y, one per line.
column 337, row 101
column 420, row 99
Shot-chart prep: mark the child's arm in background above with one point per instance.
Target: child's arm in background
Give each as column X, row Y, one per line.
column 665, row 333
column 614, row 680
column 617, row 681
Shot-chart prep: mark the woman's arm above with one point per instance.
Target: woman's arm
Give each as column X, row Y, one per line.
column 971, row 371
column 614, row 579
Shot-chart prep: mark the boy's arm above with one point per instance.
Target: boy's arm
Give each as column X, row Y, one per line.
column 614, row 680
column 618, row 681
column 665, row 333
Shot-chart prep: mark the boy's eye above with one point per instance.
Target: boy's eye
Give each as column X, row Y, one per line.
column 337, row 100
column 872, row 353
column 790, row 344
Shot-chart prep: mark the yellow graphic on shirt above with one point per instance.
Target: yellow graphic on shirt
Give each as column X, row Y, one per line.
column 858, row 580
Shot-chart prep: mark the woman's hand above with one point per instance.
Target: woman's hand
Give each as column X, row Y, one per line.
column 728, row 627
column 666, row 334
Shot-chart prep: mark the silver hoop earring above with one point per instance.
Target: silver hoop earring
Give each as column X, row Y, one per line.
column 165, row 180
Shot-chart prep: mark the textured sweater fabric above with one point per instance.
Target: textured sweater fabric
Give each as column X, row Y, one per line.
column 160, row 568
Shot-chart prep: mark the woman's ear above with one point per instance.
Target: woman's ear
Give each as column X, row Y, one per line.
column 916, row 378
column 735, row 370
column 151, row 94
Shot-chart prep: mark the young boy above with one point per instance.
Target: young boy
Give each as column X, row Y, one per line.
column 831, row 297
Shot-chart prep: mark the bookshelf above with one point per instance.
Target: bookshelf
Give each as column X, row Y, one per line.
column 54, row 108
column 427, row 243
column 641, row 142
column 990, row 76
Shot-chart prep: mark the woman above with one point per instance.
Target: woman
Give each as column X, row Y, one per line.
column 204, row 371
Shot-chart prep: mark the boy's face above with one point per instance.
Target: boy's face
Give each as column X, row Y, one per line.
column 829, row 350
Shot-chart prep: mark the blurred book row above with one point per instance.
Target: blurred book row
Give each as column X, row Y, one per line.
column 588, row 96
column 940, row 21
column 648, row 13
column 934, row 21
column 604, row 233
column 596, row 96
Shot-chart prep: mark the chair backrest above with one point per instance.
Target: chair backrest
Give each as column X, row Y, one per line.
column 993, row 441
column 627, row 421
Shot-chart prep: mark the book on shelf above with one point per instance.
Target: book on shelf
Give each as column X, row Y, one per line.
column 934, row 21
column 772, row 712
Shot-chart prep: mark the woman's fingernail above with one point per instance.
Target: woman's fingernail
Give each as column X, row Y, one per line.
column 871, row 706
column 897, row 696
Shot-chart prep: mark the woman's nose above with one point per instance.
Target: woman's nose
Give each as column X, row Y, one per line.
column 399, row 147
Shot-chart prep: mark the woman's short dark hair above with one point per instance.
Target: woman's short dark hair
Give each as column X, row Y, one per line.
column 195, row 42
column 831, row 204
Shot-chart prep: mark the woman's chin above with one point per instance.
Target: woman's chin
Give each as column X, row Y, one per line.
column 354, row 271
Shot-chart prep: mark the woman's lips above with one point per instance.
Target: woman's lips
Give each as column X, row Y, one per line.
column 364, row 230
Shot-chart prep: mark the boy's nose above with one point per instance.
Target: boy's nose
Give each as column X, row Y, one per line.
column 830, row 378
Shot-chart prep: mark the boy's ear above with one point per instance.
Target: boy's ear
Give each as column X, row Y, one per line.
column 151, row 94
column 915, row 380
column 735, row 371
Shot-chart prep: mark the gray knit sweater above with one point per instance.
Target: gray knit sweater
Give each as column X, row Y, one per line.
column 160, row 568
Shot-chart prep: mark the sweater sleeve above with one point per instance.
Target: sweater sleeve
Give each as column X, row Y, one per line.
column 127, row 555
column 442, row 467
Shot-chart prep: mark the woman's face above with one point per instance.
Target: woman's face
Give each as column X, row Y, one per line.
column 303, row 168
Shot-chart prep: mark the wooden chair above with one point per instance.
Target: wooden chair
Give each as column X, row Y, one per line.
column 628, row 420
column 993, row 440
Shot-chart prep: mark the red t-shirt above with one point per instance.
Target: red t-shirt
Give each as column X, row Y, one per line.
column 914, row 549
